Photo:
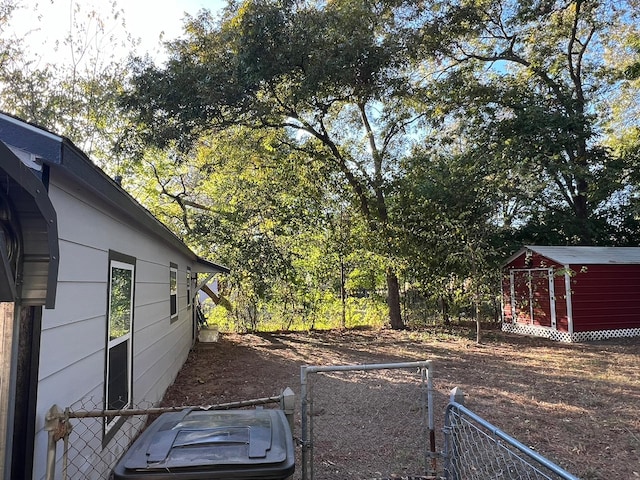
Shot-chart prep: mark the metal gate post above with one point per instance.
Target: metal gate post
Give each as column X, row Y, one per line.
column 449, row 473
column 428, row 373
column 456, row 397
column 57, row 425
column 304, row 421
column 51, row 426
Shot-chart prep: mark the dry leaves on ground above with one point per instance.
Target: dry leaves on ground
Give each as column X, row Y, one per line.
column 578, row 404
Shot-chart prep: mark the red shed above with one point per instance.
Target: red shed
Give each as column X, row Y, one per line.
column 572, row 294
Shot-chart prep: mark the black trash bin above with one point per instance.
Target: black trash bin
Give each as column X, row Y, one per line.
column 221, row 445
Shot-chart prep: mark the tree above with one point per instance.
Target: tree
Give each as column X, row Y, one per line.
column 246, row 200
column 75, row 95
column 451, row 203
column 332, row 79
column 540, row 99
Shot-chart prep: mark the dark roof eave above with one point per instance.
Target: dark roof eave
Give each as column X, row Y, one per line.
column 205, row 266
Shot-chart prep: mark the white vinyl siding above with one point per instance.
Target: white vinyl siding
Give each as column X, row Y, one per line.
column 74, row 334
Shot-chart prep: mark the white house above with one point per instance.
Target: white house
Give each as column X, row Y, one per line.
column 96, row 295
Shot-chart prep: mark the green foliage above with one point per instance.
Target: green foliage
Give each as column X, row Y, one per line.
column 531, row 101
column 320, row 75
column 9, row 47
column 451, row 232
column 340, row 154
column 75, row 95
column 120, row 302
column 272, row 316
column 243, row 198
column 450, row 132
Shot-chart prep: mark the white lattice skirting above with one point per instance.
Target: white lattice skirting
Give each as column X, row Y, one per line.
column 566, row 336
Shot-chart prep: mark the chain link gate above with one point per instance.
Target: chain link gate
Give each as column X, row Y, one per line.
column 367, row 421
column 477, row 450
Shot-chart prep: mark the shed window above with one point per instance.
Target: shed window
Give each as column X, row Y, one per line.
column 119, row 337
column 173, row 290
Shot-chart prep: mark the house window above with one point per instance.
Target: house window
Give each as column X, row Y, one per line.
column 189, row 285
column 119, row 335
column 173, row 290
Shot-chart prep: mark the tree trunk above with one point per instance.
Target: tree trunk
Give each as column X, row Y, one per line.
column 343, row 293
column 478, row 324
column 393, row 300
column 444, row 309
column 476, row 294
column 581, row 209
column 580, row 203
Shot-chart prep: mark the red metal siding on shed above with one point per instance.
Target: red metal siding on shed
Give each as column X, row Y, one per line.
column 536, row 261
column 507, row 314
column 605, row 297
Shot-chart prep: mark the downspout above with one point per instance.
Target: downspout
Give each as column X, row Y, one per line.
column 8, row 357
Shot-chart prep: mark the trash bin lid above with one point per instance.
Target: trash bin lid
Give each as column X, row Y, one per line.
column 208, row 441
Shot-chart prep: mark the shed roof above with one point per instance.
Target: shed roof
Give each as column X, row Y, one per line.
column 585, row 255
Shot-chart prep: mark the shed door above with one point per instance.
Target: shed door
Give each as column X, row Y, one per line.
column 532, row 299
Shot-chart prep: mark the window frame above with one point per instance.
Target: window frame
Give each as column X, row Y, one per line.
column 125, row 263
column 173, row 292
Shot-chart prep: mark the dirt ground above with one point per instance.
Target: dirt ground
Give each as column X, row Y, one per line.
column 577, row 404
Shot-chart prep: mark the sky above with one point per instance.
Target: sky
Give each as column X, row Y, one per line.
column 43, row 22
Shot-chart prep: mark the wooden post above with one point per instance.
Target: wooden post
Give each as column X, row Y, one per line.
column 7, row 374
column 288, row 404
column 457, row 395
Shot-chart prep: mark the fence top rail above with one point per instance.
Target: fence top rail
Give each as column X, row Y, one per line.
column 157, row 410
column 372, row 366
column 509, row 439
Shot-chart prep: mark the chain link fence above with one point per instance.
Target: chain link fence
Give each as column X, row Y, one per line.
column 476, row 450
column 93, row 440
column 358, row 422
column 82, row 430
column 367, row 421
